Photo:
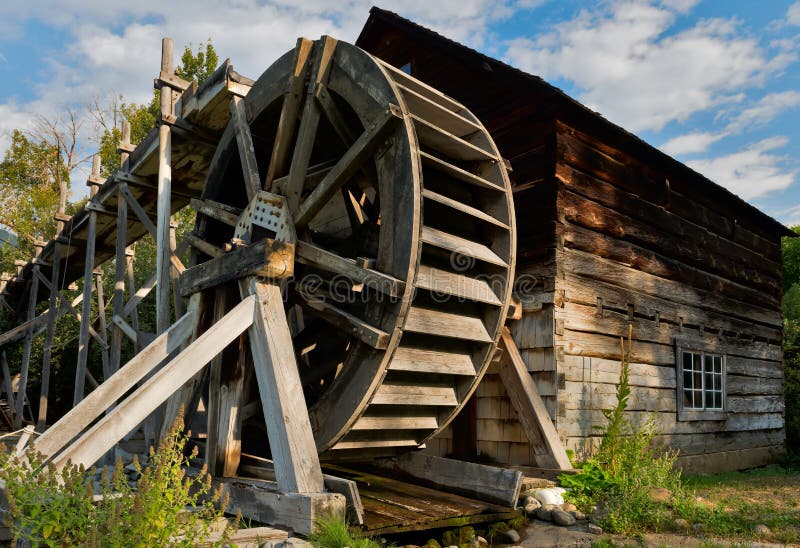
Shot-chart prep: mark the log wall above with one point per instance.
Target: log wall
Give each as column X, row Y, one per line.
column 631, row 250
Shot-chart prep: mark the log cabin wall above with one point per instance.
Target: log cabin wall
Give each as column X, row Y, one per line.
column 634, row 251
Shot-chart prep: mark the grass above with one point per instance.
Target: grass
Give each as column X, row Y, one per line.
column 334, row 532
column 731, row 504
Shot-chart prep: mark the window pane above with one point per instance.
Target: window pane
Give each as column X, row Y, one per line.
column 710, row 382
column 687, row 398
column 708, row 362
column 687, row 361
column 698, row 380
column 718, row 400
column 717, row 364
column 687, row 379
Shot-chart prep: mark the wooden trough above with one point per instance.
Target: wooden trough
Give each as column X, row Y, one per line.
column 350, row 277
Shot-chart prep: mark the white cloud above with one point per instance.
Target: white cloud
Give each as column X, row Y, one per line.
column 793, row 14
column 765, row 110
column 750, row 172
column 691, row 143
column 631, row 69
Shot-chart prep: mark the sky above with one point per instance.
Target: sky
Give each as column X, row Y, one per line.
column 714, row 83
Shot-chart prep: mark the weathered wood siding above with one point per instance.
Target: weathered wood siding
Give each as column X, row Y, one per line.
column 631, row 250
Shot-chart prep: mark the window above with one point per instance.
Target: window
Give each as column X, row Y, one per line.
column 701, row 382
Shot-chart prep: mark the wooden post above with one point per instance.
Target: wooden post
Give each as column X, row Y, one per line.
column 26, row 350
column 121, row 261
column 101, row 321
column 7, row 384
column 130, row 258
column 163, row 251
column 88, row 282
column 297, row 468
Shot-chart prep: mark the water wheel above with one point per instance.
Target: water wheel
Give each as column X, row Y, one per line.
column 403, row 271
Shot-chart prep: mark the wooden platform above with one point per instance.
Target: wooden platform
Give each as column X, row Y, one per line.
column 393, row 506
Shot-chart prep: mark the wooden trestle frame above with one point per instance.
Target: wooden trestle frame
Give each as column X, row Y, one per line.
column 403, row 364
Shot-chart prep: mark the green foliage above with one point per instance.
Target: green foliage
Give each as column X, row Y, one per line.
column 791, row 339
column 627, row 467
column 198, row 66
column 57, row 508
column 30, row 174
column 333, row 532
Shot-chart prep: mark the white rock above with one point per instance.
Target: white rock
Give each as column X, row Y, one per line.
column 550, row 495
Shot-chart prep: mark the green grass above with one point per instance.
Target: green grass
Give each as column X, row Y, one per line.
column 333, row 532
column 731, row 504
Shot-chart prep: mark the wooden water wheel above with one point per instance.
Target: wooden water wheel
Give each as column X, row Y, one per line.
column 405, row 240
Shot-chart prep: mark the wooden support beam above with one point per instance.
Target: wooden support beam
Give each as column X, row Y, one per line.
column 137, row 209
column 323, row 53
column 120, row 271
column 294, row 452
column 47, row 349
column 478, row 481
column 312, row 255
column 247, row 153
column 215, row 210
column 548, row 449
column 86, row 308
column 289, row 110
column 201, row 245
column 346, row 322
column 352, row 160
column 106, row 395
column 26, row 351
column 7, row 384
column 147, row 398
column 214, row 391
column 124, row 328
column 163, row 251
column 268, row 258
column 101, row 321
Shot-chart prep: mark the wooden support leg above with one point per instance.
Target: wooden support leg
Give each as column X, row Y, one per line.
column 163, row 251
column 120, row 268
column 101, row 323
column 26, row 351
column 7, row 386
column 47, row 351
column 530, row 408
column 297, row 468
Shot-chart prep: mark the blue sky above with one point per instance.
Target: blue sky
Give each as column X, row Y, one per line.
column 715, row 83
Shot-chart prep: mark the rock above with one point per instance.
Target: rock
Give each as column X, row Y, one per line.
column 530, row 510
column 568, row 507
column 532, row 501
column 432, row 543
column 578, row 515
column 660, row 494
column 761, row 530
column 453, row 546
column 680, row 524
column 565, row 519
column 699, row 528
column 479, row 542
column 545, row 513
column 594, row 529
column 550, row 495
column 510, row 537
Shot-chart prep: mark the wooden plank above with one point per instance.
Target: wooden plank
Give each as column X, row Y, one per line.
column 437, row 114
column 81, row 416
column 352, row 160
column 86, row 308
column 548, row 450
column 432, row 360
column 138, row 406
column 285, row 413
column 201, row 245
column 462, row 207
column 409, row 393
column 120, row 271
column 395, row 422
column 443, row 282
column 123, row 326
column 462, row 246
column 479, row 481
column 446, row 324
column 456, row 172
column 247, row 154
column 261, row 501
column 310, row 254
column 164, row 210
column 448, row 144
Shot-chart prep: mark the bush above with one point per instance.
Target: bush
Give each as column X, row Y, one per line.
column 59, row 508
column 627, row 467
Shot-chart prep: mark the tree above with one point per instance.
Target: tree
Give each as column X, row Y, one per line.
column 200, row 65
column 791, row 337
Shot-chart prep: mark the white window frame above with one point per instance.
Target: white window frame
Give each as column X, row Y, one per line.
column 702, row 349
